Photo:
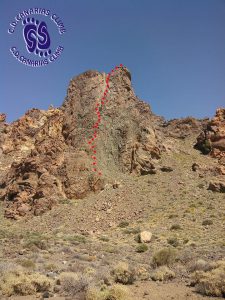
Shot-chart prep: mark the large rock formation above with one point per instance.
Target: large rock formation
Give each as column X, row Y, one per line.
column 183, row 128
column 212, row 139
column 45, row 155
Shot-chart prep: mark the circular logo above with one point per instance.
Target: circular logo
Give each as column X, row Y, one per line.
column 38, row 45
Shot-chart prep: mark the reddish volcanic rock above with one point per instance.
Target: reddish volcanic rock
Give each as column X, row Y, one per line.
column 212, row 138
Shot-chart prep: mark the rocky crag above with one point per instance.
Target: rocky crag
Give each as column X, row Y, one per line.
column 211, row 141
column 45, row 155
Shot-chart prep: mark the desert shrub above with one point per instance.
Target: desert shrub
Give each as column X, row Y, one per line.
column 94, row 293
column 26, row 263
column 163, row 273
column 173, row 241
column 76, row 238
column 204, row 146
column 201, row 185
column 185, row 240
column 19, row 283
column 64, row 201
column 76, row 267
column 165, row 256
column 141, row 248
column 141, row 273
column 171, row 216
column 175, row 227
column 115, row 292
column 201, row 265
column 50, row 267
column 6, row 267
column 118, row 292
column 111, row 249
column 212, row 282
column 103, row 275
column 207, row 222
column 123, row 224
column 73, row 283
column 3, row 234
column 35, row 239
column 132, row 230
column 104, row 238
column 137, row 238
column 122, row 273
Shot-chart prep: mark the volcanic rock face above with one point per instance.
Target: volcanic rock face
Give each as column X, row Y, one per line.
column 34, row 147
column 126, row 140
column 212, row 139
column 45, row 155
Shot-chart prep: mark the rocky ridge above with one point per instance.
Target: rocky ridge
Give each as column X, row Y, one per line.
column 45, row 155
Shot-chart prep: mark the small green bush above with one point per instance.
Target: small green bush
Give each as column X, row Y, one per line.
column 27, row 263
column 141, row 248
column 132, row 230
column 19, row 283
column 173, row 241
column 122, row 273
column 36, row 239
column 115, row 292
column 50, row 267
column 64, row 201
column 163, row 273
column 207, row 222
column 104, row 238
column 206, row 147
column 175, row 227
column 75, row 239
column 212, row 282
column 123, row 224
column 3, row 234
column 165, row 256
column 171, row 216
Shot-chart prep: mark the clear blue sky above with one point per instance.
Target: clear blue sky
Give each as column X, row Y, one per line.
column 175, row 50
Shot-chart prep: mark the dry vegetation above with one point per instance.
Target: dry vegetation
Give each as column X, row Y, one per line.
column 90, row 249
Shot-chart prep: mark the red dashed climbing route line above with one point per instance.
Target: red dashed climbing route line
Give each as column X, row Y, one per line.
column 91, row 140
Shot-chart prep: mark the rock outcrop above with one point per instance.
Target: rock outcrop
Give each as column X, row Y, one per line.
column 211, row 141
column 212, row 138
column 45, row 155
column 217, row 186
column 183, row 128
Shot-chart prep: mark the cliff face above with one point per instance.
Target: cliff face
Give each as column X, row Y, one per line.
column 45, row 155
column 127, row 124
